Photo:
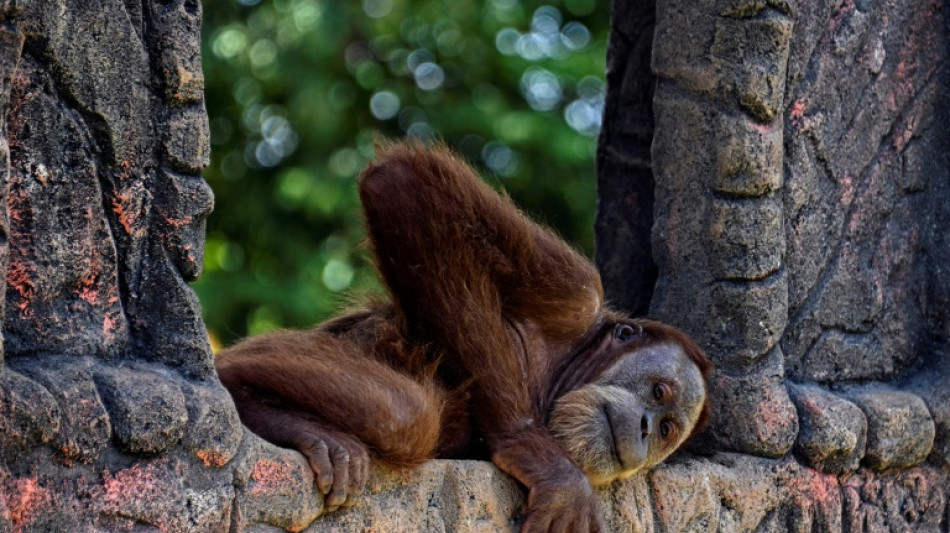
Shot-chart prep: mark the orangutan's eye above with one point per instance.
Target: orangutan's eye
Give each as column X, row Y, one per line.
column 667, row 428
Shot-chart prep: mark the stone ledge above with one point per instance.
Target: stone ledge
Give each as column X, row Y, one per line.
column 265, row 489
column 726, row 493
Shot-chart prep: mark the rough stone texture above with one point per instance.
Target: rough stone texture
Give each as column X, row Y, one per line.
column 762, row 419
column 441, row 496
column 801, row 160
column 719, row 214
column 900, row 429
column 866, row 100
column 796, row 228
column 625, row 211
column 728, row 493
column 932, row 388
column 833, row 435
column 111, row 418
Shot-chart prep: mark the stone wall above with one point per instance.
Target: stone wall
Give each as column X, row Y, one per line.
column 783, row 185
column 799, row 189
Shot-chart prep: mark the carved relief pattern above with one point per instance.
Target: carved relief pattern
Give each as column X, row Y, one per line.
column 801, row 205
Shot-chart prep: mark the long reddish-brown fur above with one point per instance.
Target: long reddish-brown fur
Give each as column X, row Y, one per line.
column 490, row 318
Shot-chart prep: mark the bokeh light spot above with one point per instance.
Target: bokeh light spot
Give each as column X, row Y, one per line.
column 384, row 105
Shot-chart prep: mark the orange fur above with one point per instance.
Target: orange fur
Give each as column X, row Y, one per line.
column 491, row 317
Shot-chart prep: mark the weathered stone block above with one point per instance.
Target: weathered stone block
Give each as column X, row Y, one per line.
column 629, row 505
column 63, row 294
column 677, row 164
column 184, row 202
column 748, row 157
column 746, row 238
column 759, row 90
column 753, row 413
column 84, row 426
column 153, row 495
column 934, row 388
column 29, row 415
column 833, row 431
column 853, row 297
column 440, row 495
column 745, row 9
column 147, row 409
column 10, row 8
column 747, row 319
column 680, row 43
column 104, row 73
column 177, row 25
column 839, row 355
column 739, row 493
column 214, row 432
column 910, row 500
column 900, row 429
column 187, row 140
column 754, row 53
column 274, row 486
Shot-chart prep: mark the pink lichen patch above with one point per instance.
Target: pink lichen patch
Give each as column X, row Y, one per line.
column 135, row 481
column 127, row 170
column 118, row 207
column 89, row 295
column 89, row 283
column 904, row 131
column 109, row 322
column 130, row 204
column 762, row 129
column 846, row 7
column 23, row 498
column 773, row 413
column 270, row 475
column 178, row 222
column 814, row 487
column 810, row 406
column 797, row 113
column 847, row 190
column 19, row 278
column 141, row 491
column 212, row 458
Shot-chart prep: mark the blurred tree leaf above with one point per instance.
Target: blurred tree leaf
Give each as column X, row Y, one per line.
column 298, row 91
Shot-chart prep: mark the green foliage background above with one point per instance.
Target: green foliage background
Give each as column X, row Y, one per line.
column 298, row 91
